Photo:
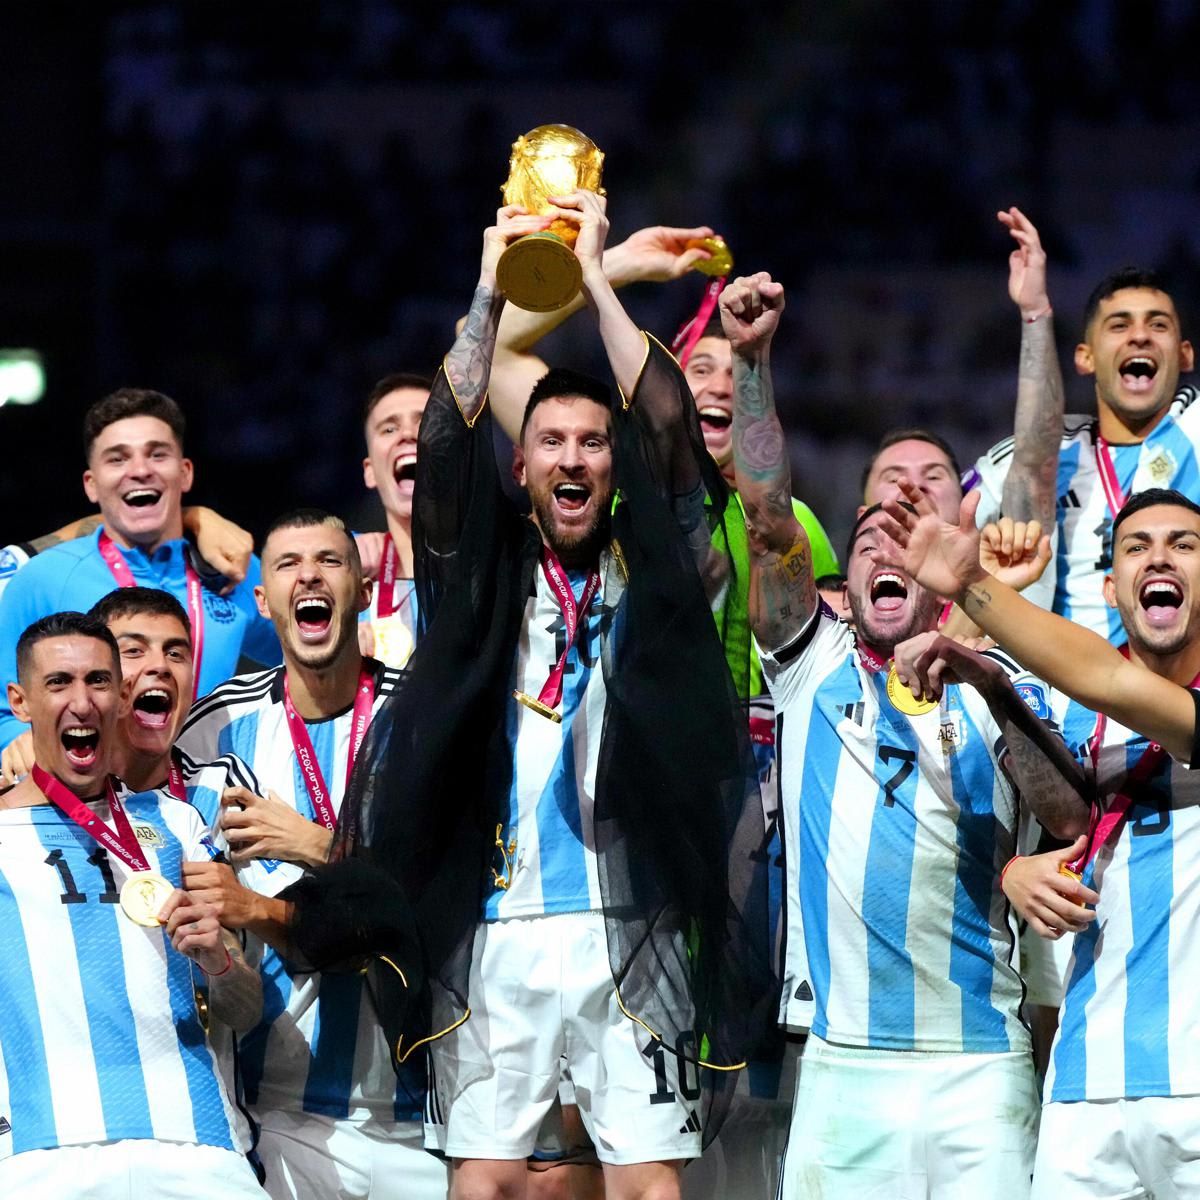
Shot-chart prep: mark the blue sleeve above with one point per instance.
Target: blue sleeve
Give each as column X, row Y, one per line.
column 259, row 642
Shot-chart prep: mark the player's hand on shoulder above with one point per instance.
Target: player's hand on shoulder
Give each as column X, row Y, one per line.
column 370, row 551
column 226, row 547
column 1015, row 552
column 17, row 760
column 750, row 309
column 1052, row 903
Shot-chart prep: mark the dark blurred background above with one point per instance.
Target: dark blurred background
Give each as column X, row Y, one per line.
column 261, row 207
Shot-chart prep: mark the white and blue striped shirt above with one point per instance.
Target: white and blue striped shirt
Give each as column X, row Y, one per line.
column 319, row 1047
column 895, row 830
column 1129, row 1024
column 547, row 857
column 100, row 1040
column 1083, row 552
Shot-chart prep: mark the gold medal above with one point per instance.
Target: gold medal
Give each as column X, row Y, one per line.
column 543, row 710
column 902, row 698
column 142, row 896
column 1063, row 869
column 721, row 262
column 393, row 641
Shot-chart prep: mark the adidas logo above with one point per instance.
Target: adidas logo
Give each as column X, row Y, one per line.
column 5, row 1127
column 803, row 992
column 692, row 1124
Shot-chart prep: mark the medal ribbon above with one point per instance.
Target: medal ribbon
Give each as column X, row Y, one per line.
column 686, row 339
column 1108, row 477
column 122, row 841
column 1103, row 826
column 195, row 597
column 387, row 577
column 306, row 756
column 560, row 586
column 870, row 657
column 175, row 784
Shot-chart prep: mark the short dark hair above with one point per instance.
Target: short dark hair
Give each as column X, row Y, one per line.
column 63, row 624
column 139, row 601
column 310, row 518
column 915, row 434
column 866, row 515
column 1116, row 281
column 563, row 382
column 392, row 383
column 1149, row 499
column 131, row 402
column 828, row 583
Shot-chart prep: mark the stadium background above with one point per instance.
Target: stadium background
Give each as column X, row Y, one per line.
column 261, row 207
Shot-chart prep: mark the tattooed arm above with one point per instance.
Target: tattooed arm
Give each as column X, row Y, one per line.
column 783, row 593
column 1029, row 487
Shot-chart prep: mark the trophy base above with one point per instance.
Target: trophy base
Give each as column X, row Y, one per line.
column 539, row 273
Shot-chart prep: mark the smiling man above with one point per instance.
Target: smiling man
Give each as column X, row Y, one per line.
column 897, row 817
column 107, row 1074
column 137, row 474
column 317, row 1072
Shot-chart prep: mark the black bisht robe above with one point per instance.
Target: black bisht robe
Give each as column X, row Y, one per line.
column 678, row 818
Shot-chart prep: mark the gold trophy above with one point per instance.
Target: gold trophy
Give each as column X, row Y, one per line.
column 540, row 272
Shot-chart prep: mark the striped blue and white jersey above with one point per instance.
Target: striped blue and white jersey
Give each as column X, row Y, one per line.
column 545, row 857
column 1083, row 551
column 99, row 1036
column 395, row 634
column 895, row 830
column 1129, row 1024
column 319, row 1047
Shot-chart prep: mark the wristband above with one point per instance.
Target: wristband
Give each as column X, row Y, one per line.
column 1046, row 312
column 1015, row 858
column 229, row 962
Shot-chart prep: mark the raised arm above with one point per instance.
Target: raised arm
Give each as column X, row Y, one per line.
column 654, row 255
column 945, row 558
column 783, row 592
column 1029, row 487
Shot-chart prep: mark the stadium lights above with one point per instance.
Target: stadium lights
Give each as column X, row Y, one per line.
column 22, row 377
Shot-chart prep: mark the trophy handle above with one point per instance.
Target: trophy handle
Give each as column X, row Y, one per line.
column 539, row 272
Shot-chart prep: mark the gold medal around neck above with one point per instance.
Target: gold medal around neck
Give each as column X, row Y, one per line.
column 721, row 262
column 543, row 710
column 902, row 698
column 143, row 895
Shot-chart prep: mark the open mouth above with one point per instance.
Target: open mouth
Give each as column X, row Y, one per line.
column 714, row 419
column 1161, row 600
column 404, row 469
column 314, row 615
column 81, row 743
column 152, row 709
column 142, row 497
column 1138, row 372
column 888, row 592
column 572, row 498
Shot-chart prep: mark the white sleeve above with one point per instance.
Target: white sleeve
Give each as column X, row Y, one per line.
column 814, row 651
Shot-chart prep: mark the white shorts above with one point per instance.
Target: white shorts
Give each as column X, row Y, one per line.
column 130, row 1170
column 1110, row 1149
column 306, row 1155
column 907, row 1125
column 541, row 990
column 744, row 1160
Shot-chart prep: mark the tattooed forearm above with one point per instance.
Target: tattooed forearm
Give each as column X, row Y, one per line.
column 469, row 362
column 1037, row 427
column 760, row 459
column 783, row 594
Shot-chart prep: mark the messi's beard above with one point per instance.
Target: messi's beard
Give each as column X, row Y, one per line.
column 575, row 549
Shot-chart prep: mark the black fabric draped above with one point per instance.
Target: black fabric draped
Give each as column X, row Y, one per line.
column 678, row 819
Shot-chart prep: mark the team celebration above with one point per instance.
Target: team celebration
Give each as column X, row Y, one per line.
column 602, row 827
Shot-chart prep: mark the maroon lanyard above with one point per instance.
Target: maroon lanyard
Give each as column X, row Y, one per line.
column 306, row 756
column 121, row 841
column 560, row 587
